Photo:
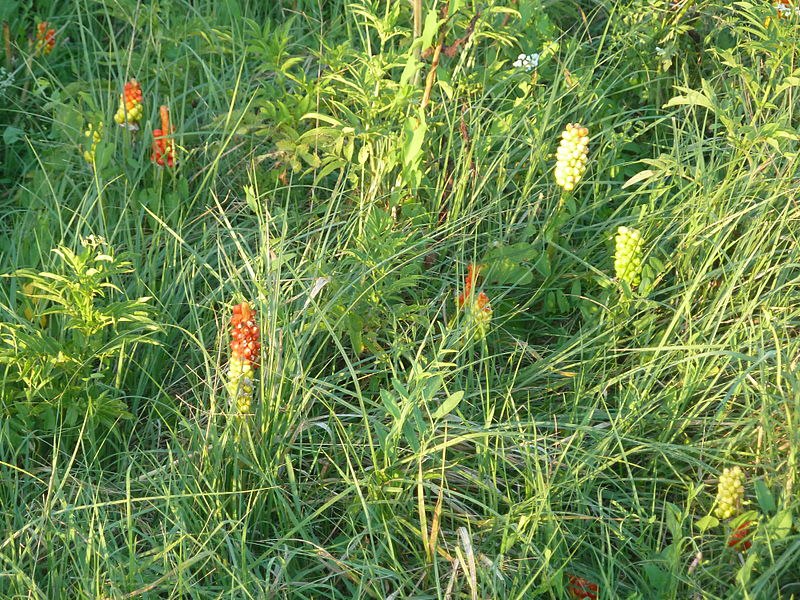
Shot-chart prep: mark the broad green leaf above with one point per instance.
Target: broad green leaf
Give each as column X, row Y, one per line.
column 690, row 98
column 12, row 134
column 743, row 576
column 391, row 406
column 320, row 117
column 766, row 501
column 780, row 525
column 450, row 403
column 414, row 129
column 706, row 523
column 430, row 28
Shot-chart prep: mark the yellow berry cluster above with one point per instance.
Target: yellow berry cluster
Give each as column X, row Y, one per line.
column 480, row 311
column 93, row 135
column 572, row 156
column 130, row 109
column 628, row 256
column 730, row 492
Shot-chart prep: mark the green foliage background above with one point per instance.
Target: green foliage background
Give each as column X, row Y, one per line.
column 395, row 451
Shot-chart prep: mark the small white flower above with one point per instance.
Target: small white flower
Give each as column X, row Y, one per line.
column 527, row 61
column 786, row 10
column 660, row 51
column 6, row 80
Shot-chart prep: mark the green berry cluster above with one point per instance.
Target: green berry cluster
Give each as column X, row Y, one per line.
column 93, row 135
column 572, row 156
column 729, row 492
column 628, row 256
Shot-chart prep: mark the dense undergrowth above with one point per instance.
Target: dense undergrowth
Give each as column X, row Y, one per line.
column 472, row 382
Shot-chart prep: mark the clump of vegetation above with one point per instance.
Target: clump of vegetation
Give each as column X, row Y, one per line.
column 347, row 308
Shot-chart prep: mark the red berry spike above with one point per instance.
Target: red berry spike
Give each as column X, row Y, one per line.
column 45, row 38
column 580, row 588
column 740, row 538
column 163, row 147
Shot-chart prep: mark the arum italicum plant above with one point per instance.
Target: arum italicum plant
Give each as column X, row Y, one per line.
column 130, row 109
column 45, row 38
column 245, row 349
column 730, row 492
column 628, row 256
column 163, row 146
column 476, row 306
column 572, row 156
column 93, row 136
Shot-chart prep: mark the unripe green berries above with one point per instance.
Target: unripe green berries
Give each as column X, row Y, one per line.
column 628, row 256
column 572, row 156
column 730, row 492
column 93, row 135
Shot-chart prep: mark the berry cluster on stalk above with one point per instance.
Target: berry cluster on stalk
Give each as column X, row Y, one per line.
column 245, row 350
column 163, row 147
column 476, row 306
column 730, row 492
column 572, row 156
column 93, row 135
column 580, row 588
column 45, row 38
column 628, row 255
column 130, row 109
column 740, row 537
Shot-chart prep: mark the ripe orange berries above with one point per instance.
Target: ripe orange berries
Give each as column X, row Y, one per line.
column 130, row 109
column 580, row 588
column 245, row 350
column 45, row 38
column 477, row 307
column 740, row 538
column 469, row 283
column 163, row 147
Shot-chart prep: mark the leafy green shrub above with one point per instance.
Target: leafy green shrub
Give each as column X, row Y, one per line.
column 66, row 364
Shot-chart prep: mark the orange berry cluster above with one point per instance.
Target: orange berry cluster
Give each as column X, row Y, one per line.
column 477, row 306
column 581, row 588
column 45, row 38
column 245, row 350
column 130, row 109
column 163, row 147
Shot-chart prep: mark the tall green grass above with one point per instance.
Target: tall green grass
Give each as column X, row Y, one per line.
column 594, row 420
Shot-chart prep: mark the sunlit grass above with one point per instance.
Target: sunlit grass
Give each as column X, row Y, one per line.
column 393, row 451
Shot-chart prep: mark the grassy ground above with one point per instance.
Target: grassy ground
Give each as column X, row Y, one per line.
column 341, row 178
